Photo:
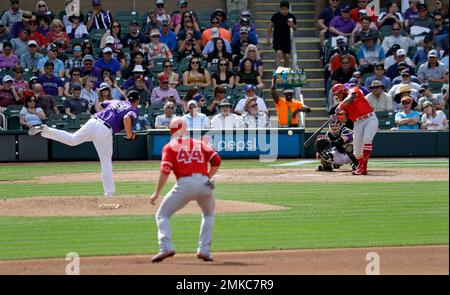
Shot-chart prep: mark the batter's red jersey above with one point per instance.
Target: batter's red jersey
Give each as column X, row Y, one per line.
column 358, row 107
column 187, row 156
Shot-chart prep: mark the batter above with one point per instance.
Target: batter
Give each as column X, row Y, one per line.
column 116, row 116
column 188, row 158
column 358, row 110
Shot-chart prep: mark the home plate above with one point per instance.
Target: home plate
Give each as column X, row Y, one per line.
column 109, row 206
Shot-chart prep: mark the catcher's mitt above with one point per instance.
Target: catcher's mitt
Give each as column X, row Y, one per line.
column 322, row 144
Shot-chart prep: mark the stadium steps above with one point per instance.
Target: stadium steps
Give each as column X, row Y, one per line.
column 307, row 44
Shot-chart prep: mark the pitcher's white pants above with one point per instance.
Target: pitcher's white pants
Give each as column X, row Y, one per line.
column 94, row 130
column 187, row 189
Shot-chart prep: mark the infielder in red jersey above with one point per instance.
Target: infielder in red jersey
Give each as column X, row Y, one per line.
column 365, row 123
column 188, row 158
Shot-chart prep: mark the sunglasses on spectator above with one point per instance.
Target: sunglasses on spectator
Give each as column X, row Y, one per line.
column 426, row 107
column 58, row 26
column 406, row 102
column 214, row 23
column 76, row 74
column 379, row 68
column 345, row 62
column 223, row 64
column 395, row 29
column 167, row 66
column 155, row 36
column 170, row 108
column 194, row 62
column 405, row 75
column 252, row 50
column 252, row 106
column 116, row 26
column 88, row 63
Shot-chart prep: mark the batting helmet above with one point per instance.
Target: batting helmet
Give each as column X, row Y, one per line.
column 177, row 125
column 338, row 88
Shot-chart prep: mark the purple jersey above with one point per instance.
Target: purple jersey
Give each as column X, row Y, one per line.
column 114, row 112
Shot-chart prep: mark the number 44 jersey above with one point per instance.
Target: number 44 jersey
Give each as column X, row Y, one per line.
column 187, row 156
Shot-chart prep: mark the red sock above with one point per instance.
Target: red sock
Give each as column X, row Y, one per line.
column 367, row 150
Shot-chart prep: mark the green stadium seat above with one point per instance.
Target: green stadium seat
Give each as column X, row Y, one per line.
column 12, row 117
column 59, row 101
column 72, row 127
column 386, row 120
column 82, row 118
column 435, row 87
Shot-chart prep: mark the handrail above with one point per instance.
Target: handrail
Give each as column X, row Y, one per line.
column 294, row 66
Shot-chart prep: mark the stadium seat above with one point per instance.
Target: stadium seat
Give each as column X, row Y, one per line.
column 435, row 87
column 12, row 117
column 386, row 120
column 82, row 118
column 72, row 127
column 59, row 101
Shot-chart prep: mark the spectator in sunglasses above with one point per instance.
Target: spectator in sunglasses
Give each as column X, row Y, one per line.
column 396, row 38
column 188, row 22
column 433, row 119
column 156, row 49
column 163, row 121
column 223, row 33
column 30, row 115
column 177, row 15
column 174, row 78
column 223, row 76
column 57, row 34
column 245, row 21
column 407, row 118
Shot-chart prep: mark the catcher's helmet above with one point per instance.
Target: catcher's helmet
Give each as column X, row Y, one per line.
column 335, row 124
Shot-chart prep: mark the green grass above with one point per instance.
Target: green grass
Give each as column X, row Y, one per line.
column 23, row 171
column 320, row 216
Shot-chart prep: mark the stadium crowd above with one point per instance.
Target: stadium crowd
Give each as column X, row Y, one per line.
column 398, row 59
column 210, row 70
column 209, row 73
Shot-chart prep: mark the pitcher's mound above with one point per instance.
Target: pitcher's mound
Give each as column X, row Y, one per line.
column 102, row 206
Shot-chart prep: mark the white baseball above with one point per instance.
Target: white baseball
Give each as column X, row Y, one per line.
column 290, row 132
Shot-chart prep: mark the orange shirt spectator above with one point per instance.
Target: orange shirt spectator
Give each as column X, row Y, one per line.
column 335, row 62
column 208, row 33
column 288, row 108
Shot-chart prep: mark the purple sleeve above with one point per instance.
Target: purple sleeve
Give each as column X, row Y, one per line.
column 132, row 114
column 105, row 103
column 333, row 21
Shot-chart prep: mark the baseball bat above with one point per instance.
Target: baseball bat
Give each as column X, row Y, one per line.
column 307, row 142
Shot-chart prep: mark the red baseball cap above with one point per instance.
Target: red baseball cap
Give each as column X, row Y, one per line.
column 164, row 78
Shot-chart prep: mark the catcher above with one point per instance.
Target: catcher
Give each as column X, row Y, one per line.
column 335, row 148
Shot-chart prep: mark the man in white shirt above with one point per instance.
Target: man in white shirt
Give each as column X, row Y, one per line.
column 163, row 121
column 250, row 92
column 226, row 119
column 194, row 119
column 378, row 99
column 397, row 38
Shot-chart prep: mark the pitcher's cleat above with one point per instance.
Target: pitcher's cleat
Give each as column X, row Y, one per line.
column 37, row 129
column 205, row 257
column 162, row 255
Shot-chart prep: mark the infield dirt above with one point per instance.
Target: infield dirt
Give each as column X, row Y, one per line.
column 393, row 260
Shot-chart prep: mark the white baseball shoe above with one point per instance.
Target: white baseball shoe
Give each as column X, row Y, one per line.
column 37, row 129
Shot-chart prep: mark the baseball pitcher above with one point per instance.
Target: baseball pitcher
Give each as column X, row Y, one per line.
column 188, row 158
column 116, row 116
